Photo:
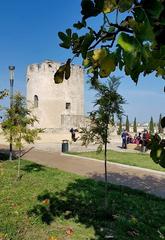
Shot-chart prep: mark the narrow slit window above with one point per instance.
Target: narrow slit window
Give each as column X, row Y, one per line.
column 68, row 105
column 35, row 101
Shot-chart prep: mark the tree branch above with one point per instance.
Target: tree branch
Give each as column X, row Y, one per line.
column 108, row 35
column 112, row 34
column 121, row 28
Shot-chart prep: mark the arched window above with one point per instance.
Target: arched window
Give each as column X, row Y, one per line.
column 35, row 101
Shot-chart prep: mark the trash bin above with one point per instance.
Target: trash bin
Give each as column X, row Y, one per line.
column 65, row 146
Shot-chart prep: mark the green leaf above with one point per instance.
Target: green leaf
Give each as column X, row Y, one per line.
column 59, row 75
column 74, row 36
column 69, row 32
column 109, row 6
column 163, row 122
column 90, row 70
column 89, row 38
column 119, row 58
column 65, row 45
column 133, row 65
column 91, row 8
column 79, row 25
column 124, row 5
column 67, row 69
column 87, row 8
column 86, row 62
column 143, row 30
column 62, row 36
column 66, row 39
column 107, row 65
column 127, row 42
column 162, row 159
column 153, row 8
column 99, row 53
column 160, row 71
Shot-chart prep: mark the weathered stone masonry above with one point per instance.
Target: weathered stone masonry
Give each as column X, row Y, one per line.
column 57, row 106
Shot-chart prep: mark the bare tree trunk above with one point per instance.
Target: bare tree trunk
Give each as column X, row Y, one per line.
column 19, row 164
column 19, row 158
column 106, row 177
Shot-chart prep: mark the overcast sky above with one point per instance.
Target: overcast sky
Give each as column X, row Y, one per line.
column 29, row 34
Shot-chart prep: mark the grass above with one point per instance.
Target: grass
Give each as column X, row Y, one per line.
column 133, row 159
column 48, row 204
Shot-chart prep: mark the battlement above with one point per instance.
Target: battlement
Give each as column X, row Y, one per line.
column 49, row 65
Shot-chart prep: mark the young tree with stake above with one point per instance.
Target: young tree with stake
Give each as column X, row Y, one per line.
column 18, row 121
column 108, row 103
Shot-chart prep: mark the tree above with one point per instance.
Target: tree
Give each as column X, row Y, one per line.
column 135, row 126
column 127, row 124
column 119, row 131
column 3, row 94
column 132, row 41
column 160, row 129
column 157, row 146
column 108, row 103
column 151, row 126
column 17, row 121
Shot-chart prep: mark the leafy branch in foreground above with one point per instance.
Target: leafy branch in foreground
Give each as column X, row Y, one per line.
column 18, row 121
column 130, row 37
column 157, row 146
column 108, row 104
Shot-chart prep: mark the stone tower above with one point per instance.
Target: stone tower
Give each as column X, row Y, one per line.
column 57, row 106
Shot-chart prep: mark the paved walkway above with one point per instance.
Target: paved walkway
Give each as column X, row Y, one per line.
column 147, row 180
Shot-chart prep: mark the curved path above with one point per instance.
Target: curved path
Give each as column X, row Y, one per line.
column 138, row 178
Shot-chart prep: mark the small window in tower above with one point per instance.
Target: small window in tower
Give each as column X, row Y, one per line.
column 68, row 105
column 35, row 101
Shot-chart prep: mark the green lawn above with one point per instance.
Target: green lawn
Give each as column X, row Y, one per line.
column 133, row 159
column 48, row 204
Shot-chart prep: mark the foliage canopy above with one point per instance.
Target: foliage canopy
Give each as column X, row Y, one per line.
column 16, row 125
column 129, row 37
column 18, row 120
column 108, row 104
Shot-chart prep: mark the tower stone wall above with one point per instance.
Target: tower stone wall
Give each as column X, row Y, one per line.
column 55, row 105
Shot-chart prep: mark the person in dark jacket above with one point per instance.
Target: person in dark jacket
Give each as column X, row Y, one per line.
column 124, row 139
column 73, row 134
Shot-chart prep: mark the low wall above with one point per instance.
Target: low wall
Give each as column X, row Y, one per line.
column 72, row 121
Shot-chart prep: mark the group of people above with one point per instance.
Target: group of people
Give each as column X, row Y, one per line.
column 141, row 139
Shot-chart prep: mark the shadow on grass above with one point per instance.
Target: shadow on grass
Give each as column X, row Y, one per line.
column 33, row 167
column 83, row 202
column 4, row 155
